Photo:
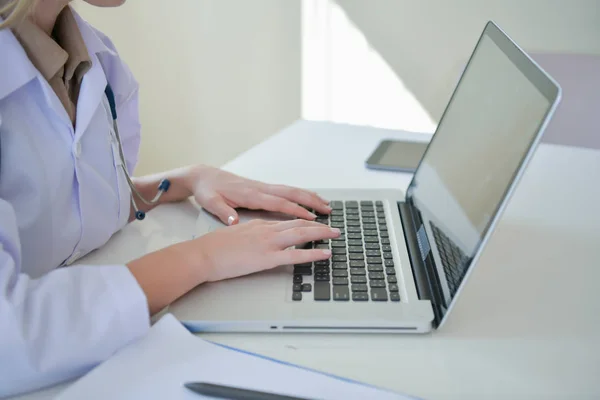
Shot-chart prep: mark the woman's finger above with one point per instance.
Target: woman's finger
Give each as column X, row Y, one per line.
column 299, row 196
column 294, row 256
column 218, row 206
column 279, row 204
column 300, row 235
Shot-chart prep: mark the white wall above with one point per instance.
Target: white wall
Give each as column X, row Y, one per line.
column 426, row 42
column 216, row 76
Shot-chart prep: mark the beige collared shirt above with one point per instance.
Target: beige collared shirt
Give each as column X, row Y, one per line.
column 62, row 59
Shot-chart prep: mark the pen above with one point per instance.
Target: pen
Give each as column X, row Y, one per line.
column 233, row 393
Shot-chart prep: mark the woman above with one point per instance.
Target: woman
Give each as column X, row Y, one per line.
column 63, row 193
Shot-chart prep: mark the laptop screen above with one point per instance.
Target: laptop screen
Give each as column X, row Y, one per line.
column 492, row 121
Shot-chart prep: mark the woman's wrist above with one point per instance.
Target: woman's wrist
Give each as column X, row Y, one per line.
column 183, row 181
column 169, row 273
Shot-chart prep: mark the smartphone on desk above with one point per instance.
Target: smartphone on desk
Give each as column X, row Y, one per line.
column 397, row 155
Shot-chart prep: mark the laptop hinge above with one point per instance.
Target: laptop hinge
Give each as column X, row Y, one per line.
column 421, row 259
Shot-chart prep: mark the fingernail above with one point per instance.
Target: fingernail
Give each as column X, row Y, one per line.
column 313, row 216
column 335, row 230
column 329, row 208
column 327, row 252
column 231, row 220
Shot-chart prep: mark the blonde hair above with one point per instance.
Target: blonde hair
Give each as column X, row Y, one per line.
column 14, row 11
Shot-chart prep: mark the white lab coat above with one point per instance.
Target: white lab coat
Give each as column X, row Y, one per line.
column 62, row 196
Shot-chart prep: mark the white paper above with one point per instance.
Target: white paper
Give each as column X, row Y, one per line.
column 157, row 366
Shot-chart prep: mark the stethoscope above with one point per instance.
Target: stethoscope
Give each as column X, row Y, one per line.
column 163, row 185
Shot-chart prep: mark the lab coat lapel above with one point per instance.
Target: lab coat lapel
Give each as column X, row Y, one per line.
column 15, row 68
column 90, row 96
column 19, row 71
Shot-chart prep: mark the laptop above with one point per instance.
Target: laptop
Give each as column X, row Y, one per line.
column 403, row 258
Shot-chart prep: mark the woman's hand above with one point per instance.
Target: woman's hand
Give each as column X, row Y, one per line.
column 233, row 251
column 258, row 245
column 221, row 192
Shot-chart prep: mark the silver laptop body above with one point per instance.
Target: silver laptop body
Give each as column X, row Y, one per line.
column 404, row 259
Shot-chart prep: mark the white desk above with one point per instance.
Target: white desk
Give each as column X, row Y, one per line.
column 528, row 324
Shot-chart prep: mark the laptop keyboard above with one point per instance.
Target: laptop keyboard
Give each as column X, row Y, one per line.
column 361, row 267
column 453, row 259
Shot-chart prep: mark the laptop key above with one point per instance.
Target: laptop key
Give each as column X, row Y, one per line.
column 340, row 281
column 340, row 273
column 379, row 294
column 353, row 223
column 370, row 226
column 373, row 260
column 297, row 296
column 375, row 268
column 366, row 203
column 336, row 205
column 338, row 243
column 339, row 258
column 393, row 287
column 354, row 229
column 385, row 241
column 359, row 296
column 392, row 279
column 340, row 265
column 355, row 236
column 357, row 256
column 368, row 220
column 341, row 293
column 372, row 239
column 338, row 225
column 379, row 203
column 372, row 246
column 371, row 233
column 352, row 217
column 304, row 265
column 352, row 211
column 302, row 271
column 377, row 283
column 384, row 235
column 357, row 264
column 373, row 253
column 322, row 291
column 322, row 277
column 338, row 251
column 297, row 287
column 358, row 279
column 360, row 287
column 357, row 271
column 389, row 263
column 390, row 271
column 306, row 287
column 388, row 256
column 394, row 296
column 355, row 249
column 297, row 278
column 376, row 275
column 354, row 242
column 336, row 213
column 322, row 270
column 382, row 228
column 337, row 218
column 386, row 248
column 322, row 263
column 352, row 204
